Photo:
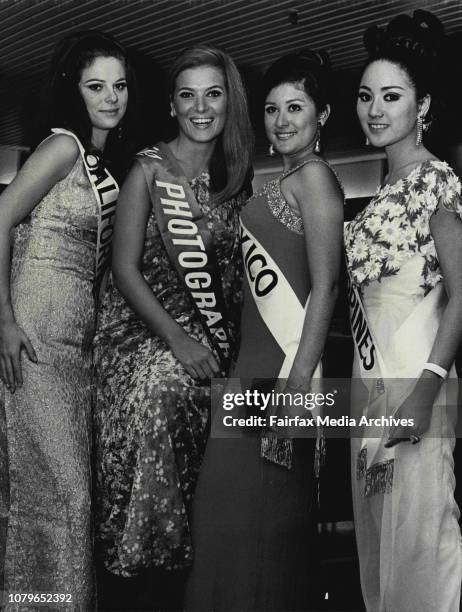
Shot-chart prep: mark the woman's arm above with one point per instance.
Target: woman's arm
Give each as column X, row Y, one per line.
column 50, row 163
column 132, row 215
column 317, row 195
column 446, row 229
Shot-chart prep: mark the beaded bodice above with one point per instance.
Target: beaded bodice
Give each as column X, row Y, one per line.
column 280, row 208
column 277, row 203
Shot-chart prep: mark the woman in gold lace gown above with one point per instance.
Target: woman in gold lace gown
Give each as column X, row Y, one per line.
column 47, row 321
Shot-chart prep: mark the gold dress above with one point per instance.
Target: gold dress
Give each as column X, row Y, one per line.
column 45, row 425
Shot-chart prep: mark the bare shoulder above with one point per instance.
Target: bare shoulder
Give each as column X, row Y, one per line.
column 136, row 171
column 318, row 173
column 315, row 185
column 135, row 179
column 134, row 194
column 58, row 154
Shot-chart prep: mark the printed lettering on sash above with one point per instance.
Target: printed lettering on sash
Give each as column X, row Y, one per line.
column 189, row 244
column 277, row 303
column 106, row 191
column 260, row 275
column 361, row 335
column 193, row 259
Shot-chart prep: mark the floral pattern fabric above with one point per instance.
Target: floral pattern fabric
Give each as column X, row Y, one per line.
column 396, row 225
column 151, row 416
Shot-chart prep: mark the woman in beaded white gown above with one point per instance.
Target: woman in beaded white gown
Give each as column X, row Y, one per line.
column 404, row 253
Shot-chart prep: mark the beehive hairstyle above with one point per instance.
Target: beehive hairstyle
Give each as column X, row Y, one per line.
column 416, row 45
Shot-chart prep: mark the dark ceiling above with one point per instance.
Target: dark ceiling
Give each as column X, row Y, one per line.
column 254, row 32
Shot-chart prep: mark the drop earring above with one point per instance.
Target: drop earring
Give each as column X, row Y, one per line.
column 367, row 141
column 317, row 145
column 271, row 151
column 418, row 139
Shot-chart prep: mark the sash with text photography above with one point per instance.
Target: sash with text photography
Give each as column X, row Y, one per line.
column 189, row 243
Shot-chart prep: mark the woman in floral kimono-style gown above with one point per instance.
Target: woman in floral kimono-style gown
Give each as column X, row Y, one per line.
column 404, row 504
column 404, row 256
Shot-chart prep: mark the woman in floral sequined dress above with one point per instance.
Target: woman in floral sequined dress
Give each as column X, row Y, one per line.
column 154, row 358
column 47, row 323
column 255, row 547
column 404, row 255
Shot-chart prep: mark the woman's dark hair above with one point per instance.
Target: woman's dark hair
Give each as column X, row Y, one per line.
column 415, row 44
column 232, row 158
column 64, row 105
column 308, row 67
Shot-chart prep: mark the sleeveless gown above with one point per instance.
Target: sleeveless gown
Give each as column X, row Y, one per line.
column 253, row 520
column 45, row 425
column 151, row 416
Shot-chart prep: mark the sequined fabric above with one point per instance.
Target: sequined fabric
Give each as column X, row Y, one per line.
column 280, row 208
column 46, row 426
column 151, row 416
column 277, row 203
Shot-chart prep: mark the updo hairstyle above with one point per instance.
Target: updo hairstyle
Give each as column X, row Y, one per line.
column 310, row 68
column 415, row 44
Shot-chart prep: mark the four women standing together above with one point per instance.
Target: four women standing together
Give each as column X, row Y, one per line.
column 169, row 321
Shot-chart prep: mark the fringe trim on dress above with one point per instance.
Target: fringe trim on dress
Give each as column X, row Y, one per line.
column 276, row 450
column 378, row 478
column 361, row 464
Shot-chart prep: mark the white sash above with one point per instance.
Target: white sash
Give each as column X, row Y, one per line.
column 277, row 303
column 401, row 359
column 106, row 191
column 284, row 315
column 372, row 368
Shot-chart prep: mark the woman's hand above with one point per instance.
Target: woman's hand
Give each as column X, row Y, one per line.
column 197, row 359
column 12, row 341
column 416, row 408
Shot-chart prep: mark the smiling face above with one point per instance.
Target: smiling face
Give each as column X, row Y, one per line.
column 199, row 103
column 387, row 104
column 291, row 118
column 103, row 87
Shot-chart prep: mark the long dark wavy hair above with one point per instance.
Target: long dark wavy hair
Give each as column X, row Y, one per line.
column 230, row 165
column 64, row 107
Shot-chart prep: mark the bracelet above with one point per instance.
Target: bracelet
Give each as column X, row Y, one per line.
column 433, row 367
